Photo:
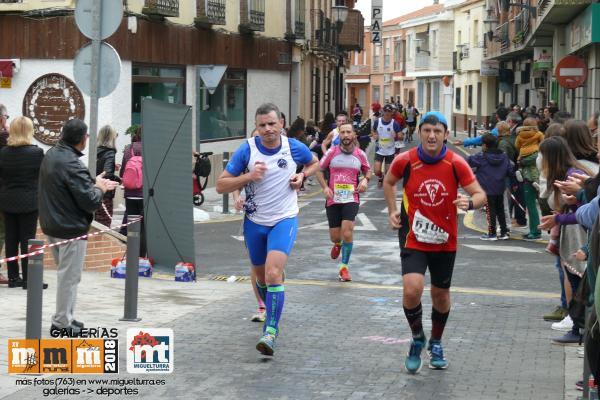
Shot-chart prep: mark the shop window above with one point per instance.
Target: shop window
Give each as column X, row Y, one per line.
column 155, row 82
column 222, row 115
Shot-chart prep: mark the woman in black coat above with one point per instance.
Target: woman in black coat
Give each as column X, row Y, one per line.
column 105, row 162
column 20, row 164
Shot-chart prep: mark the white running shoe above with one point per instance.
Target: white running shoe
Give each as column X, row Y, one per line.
column 564, row 326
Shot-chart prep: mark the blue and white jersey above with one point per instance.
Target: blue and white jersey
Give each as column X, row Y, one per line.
column 272, row 199
column 336, row 137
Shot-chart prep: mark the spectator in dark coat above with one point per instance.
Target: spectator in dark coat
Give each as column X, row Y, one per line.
column 20, row 164
column 3, row 139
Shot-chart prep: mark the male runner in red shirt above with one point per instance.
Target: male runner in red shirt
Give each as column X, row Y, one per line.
column 428, row 227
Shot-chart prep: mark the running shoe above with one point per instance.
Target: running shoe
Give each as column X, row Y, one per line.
column 413, row 362
column 266, row 344
column 436, row 355
column 568, row 339
column 564, row 326
column 532, row 236
column 557, row 315
column 259, row 316
column 380, row 183
column 504, row 236
column 335, row 251
column 344, row 275
column 488, row 236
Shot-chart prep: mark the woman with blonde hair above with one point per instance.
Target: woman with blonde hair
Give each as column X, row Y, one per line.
column 105, row 162
column 20, row 164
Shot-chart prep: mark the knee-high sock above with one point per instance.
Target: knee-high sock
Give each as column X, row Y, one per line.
column 415, row 320
column 346, row 251
column 438, row 323
column 275, row 300
column 262, row 290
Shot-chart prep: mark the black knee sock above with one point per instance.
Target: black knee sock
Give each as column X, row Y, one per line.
column 438, row 323
column 415, row 320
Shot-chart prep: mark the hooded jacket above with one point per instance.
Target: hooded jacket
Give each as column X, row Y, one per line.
column 491, row 169
column 528, row 140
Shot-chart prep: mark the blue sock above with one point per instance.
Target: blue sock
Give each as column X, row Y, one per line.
column 346, row 251
column 262, row 290
column 274, row 302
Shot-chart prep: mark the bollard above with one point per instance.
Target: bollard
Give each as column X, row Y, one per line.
column 454, row 124
column 225, row 195
column 35, row 281
column 131, row 274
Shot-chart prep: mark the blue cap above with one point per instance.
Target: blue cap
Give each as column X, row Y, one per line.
column 433, row 117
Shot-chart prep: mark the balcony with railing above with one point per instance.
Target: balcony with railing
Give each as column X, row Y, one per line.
column 422, row 60
column 161, row 8
column 352, row 35
column 252, row 16
column 210, row 12
column 324, row 34
column 358, row 70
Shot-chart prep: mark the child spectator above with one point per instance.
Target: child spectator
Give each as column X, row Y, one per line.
column 492, row 167
column 528, row 145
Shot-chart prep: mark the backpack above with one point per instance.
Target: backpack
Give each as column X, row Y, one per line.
column 133, row 177
column 202, row 167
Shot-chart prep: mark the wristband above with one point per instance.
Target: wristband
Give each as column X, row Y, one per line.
column 471, row 206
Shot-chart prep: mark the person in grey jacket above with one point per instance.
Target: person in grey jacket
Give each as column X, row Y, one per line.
column 68, row 197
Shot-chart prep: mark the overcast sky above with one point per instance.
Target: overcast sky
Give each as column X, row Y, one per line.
column 392, row 8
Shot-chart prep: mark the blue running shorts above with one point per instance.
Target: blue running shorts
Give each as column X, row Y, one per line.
column 261, row 239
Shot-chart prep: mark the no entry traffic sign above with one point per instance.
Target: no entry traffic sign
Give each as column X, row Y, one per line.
column 571, row 72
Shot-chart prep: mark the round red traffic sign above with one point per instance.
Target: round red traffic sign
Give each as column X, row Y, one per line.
column 571, row 72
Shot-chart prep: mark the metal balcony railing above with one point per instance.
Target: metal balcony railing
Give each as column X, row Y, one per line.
column 11, row 1
column 211, row 12
column 324, row 34
column 358, row 70
column 299, row 29
column 161, row 8
column 252, row 16
column 502, row 35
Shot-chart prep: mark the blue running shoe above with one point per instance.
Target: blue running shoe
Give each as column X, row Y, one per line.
column 266, row 344
column 413, row 362
column 436, row 355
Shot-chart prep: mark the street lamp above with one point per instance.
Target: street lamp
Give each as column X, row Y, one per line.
column 339, row 12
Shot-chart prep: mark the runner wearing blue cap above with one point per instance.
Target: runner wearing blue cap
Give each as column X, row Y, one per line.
column 428, row 228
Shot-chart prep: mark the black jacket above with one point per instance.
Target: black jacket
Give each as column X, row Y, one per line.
column 105, row 162
column 19, row 171
column 67, row 195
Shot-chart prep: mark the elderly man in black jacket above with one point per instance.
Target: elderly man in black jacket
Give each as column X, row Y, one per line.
column 68, row 197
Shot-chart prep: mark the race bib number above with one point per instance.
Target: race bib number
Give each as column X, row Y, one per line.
column 426, row 231
column 385, row 142
column 343, row 193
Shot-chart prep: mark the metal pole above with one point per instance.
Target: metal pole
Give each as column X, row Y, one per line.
column 225, row 195
column 97, row 23
column 35, row 279
column 454, row 125
column 469, row 128
column 586, row 365
column 131, row 274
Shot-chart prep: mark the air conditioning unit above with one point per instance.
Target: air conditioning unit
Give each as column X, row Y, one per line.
column 539, row 83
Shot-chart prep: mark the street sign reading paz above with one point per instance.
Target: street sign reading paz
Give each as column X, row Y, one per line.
column 571, row 72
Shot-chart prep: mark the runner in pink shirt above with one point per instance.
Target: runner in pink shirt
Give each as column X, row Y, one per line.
column 344, row 163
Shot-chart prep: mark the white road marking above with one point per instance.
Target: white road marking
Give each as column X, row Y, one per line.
column 366, row 224
column 240, row 238
column 511, row 249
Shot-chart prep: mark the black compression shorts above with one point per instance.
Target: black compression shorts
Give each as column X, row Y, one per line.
column 441, row 265
column 388, row 159
column 338, row 212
